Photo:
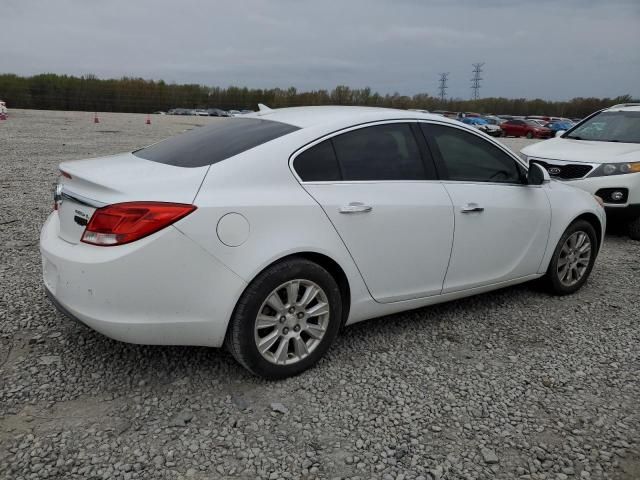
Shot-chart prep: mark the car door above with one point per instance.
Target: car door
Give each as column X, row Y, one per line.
column 381, row 195
column 509, row 127
column 501, row 223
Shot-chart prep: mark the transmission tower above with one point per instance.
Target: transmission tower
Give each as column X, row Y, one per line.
column 442, row 85
column 475, row 81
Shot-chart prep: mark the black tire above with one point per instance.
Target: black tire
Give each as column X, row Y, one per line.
column 240, row 332
column 633, row 228
column 529, row 135
column 552, row 279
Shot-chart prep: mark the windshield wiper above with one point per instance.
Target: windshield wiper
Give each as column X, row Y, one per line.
column 573, row 137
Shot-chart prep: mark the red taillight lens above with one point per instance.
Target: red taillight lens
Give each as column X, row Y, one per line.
column 126, row 222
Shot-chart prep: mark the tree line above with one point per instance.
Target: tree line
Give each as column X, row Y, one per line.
column 136, row 95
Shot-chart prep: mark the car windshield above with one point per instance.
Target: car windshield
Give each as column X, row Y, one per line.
column 617, row 126
column 533, row 123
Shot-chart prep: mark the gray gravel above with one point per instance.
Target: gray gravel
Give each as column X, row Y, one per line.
column 512, row 384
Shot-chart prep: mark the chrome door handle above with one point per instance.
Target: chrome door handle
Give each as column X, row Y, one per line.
column 356, row 207
column 472, row 207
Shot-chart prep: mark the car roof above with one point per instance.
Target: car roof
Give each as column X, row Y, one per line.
column 624, row 107
column 304, row 117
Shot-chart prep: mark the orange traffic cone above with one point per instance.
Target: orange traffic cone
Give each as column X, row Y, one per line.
column 148, row 122
column 95, row 118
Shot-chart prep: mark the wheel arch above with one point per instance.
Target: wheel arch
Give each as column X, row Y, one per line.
column 594, row 221
column 326, row 262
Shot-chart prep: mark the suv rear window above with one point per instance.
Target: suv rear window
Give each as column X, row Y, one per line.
column 213, row 143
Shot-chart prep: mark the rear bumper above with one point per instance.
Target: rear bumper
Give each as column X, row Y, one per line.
column 160, row 290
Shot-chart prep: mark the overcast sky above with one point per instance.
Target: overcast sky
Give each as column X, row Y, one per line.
column 555, row 49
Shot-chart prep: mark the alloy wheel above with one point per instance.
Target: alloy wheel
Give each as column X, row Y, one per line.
column 574, row 258
column 291, row 322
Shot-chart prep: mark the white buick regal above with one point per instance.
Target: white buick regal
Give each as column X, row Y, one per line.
column 270, row 232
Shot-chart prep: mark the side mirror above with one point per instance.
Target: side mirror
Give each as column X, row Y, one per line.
column 537, row 175
column 560, row 132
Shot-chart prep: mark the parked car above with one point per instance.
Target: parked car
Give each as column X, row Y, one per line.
column 542, row 118
column 3, row 108
column 602, row 156
column 483, row 125
column 216, row 112
column 210, row 238
column 494, row 120
column 525, row 128
column 558, row 126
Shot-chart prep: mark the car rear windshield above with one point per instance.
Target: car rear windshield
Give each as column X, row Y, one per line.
column 213, row 143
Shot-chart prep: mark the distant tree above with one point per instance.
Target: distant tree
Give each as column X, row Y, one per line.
column 89, row 93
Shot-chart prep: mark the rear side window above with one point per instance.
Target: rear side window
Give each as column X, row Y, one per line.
column 380, row 152
column 318, row 164
column 213, row 143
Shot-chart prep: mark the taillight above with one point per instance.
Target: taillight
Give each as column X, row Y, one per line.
column 126, row 222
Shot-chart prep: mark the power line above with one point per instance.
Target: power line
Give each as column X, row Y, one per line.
column 475, row 81
column 442, row 85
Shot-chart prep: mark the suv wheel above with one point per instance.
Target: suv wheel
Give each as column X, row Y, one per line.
column 633, row 228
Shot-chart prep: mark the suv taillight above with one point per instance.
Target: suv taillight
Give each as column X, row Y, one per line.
column 122, row 223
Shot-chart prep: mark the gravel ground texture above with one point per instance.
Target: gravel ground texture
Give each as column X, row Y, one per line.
column 515, row 384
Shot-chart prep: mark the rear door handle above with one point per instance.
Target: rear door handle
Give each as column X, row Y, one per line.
column 472, row 207
column 356, row 207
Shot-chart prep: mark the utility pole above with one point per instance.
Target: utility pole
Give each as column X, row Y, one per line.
column 475, row 81
column 442, row 85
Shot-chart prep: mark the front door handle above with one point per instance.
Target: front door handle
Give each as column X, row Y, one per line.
column 472, row 207
column 356, row 207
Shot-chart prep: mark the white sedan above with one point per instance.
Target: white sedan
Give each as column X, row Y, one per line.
column 268, row 233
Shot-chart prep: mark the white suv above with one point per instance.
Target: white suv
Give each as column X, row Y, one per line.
column 601, row 155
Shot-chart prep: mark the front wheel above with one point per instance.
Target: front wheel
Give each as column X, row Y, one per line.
column 529, row 135
column 633, row 228
column 573, row 259
column 286, row 319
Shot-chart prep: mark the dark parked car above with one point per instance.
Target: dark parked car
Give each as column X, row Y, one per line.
column 525, row 128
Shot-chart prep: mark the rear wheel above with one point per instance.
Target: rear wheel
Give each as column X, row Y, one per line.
column 633, row 227
column 286, row 319
column 572, row 259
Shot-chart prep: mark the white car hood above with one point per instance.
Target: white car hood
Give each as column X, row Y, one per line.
column 584, row 151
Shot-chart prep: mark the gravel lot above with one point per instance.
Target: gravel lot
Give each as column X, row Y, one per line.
column 512, row 384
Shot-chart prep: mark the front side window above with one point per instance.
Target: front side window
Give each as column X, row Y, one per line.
column 621, row 127
column 380, row 152
column 468, row 157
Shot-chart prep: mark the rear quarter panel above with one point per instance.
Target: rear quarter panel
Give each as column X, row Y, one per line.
column 283, row 218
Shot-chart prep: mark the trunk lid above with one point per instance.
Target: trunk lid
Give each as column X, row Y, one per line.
column 120, row 178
